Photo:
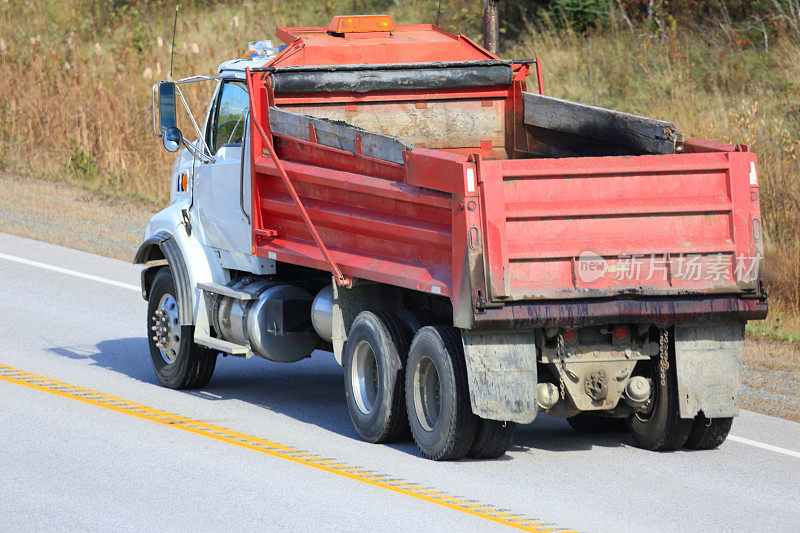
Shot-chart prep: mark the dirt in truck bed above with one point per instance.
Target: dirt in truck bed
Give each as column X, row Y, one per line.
column 69, row 216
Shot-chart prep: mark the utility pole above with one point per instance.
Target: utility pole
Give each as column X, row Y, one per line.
column 491, row 27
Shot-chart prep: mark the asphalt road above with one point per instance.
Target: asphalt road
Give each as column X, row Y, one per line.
column 70, row 465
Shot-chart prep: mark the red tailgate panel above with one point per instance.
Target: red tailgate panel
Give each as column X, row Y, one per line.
column 582, row 227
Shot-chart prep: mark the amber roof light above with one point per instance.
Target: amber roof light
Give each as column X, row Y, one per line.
column 361, row 24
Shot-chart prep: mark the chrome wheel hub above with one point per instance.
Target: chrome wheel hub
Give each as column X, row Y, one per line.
column 427, row 393
column 166, row 328
column 364, row 377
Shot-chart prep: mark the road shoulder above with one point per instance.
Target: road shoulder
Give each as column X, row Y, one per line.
column 68, row 216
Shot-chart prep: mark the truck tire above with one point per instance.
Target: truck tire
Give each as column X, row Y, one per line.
column 374, row 363
column 437, row 394
column 492, row 439
column 708, row 433
column 594, row 424
column 180, row 363
column 417, row 319
column 661, row 429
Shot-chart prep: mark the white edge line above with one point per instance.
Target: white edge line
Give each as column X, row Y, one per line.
column 770, row 447
column 70, row 272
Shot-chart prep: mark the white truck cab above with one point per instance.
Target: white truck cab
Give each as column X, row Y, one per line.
column 204, row 234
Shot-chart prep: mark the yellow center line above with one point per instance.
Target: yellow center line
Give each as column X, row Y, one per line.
column 274, row 449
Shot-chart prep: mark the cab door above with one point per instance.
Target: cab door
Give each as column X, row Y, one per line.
column 222, row 187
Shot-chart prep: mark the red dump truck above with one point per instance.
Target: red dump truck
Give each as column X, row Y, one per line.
column 471, row 252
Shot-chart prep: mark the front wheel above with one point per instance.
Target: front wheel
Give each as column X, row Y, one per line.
column 179, row 362
column 437, row 394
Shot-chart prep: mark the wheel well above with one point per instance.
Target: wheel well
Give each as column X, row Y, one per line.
column 162, row 250
column 148, row 275
column 152, row 256
column 379, row 297
column 149, row 252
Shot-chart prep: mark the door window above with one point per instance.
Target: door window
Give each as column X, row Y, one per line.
column 227, row 124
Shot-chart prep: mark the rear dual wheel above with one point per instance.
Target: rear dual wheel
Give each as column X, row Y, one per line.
column 708, row 433
column 390, row 387
column 438, row 401
column 662, row 428
column 492, row 439
column 374, row 363
column 437, row 395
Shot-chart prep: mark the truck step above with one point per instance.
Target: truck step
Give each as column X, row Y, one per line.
column 223, row 346
column 216, row 288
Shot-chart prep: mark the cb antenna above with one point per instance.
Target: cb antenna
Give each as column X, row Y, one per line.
column 172, row 49
column 438, row 11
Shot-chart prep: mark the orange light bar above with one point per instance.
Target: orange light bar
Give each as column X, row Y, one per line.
column 361, row 24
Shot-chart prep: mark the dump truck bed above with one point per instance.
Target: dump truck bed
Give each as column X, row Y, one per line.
column 508, row 219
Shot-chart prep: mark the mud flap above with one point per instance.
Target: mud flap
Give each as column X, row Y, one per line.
column 501, row 368
column 708, row 358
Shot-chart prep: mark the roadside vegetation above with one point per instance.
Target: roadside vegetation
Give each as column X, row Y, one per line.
column 75, row 105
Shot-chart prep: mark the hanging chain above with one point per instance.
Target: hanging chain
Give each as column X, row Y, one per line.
column 663, row 350
column 560, row 354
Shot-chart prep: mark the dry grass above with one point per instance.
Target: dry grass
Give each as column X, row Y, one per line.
column 77, row 107
column 772, row 355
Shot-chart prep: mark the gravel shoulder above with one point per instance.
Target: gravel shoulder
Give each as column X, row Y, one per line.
column 771, row 377
column 61, row 214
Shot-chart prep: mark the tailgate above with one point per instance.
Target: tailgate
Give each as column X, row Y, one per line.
column 607, row 226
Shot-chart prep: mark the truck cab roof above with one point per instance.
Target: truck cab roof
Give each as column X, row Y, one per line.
column 235, row 68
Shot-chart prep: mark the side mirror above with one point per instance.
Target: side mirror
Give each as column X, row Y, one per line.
column 172, row 138
column 165, row 95
column 167, row 111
